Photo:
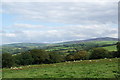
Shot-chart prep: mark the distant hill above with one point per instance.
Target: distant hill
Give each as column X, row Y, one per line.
column 94, row 39
column 21, row 47
column 25, row 44
column 68, row 42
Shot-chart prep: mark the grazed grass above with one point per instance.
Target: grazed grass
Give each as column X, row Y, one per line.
column 111, row 48
column 101, row 68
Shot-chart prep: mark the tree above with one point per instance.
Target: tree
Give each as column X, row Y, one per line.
column 118, row 49
column 80, row 55
column 70, row 57
column 114, row 54
column 25, row 59
column 7, row 60
column 55, row 58
column 97, row 53
column 39, row 56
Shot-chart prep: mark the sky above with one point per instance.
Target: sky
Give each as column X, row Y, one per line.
column 51, row 22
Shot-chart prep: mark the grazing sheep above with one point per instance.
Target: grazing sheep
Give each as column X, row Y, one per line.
column 110, row 59
column 28, row 66
column 20, row 68
column 11, row 68
column 90, row 60
column 15, row 68
column 105, row 58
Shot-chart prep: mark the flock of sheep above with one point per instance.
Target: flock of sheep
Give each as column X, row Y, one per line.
column 21, row 68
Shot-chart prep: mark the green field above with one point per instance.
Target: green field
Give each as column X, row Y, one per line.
column 81, row 46
column 101, row 68
column 111, row 48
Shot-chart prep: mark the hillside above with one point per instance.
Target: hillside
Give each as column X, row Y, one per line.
column 63, row 47
column 100, row 68
column 89, row 40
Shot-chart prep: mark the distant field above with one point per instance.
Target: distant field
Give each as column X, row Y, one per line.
column 101, row 68
column 105, row 42
column 111, row 48
column 62, row 48
column 71, row 47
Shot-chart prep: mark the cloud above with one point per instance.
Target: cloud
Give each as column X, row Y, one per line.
column 64, row 33
column 65, row 12
column 60, row 1
column 28, row 26
column 81, row 20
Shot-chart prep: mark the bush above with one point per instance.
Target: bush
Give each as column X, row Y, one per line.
column 97, row 53
column 69, row 57
column 80, row 55
column 39, row 56
column 114, row 54
column 55, row 58
column 25, row 58
column 118, row 48
column 7, row 60
column 77, row 56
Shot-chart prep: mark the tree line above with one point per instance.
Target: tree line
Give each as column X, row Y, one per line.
column 40, row 56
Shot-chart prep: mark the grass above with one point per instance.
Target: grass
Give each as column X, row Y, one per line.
column 111, row 48
column 101, row 68
column 105, row 42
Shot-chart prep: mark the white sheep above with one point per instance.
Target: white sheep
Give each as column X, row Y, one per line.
column 110, row 59
column 90, row 60
column 15, row 68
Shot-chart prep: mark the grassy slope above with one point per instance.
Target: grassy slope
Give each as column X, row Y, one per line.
column 105, row 42
column 13, row 49
column 86, row 43
column 102, row 68
column 111, row 48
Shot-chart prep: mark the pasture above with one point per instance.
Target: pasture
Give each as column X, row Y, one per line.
column 100, row 68
column 111, row 48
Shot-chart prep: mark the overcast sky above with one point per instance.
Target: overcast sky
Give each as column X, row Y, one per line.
column 41, row 22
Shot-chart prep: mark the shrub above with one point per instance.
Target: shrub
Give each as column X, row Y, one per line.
column 118, row 48
column 97, row 53
column 39, row 56
column 114, row 54
column 80, row 55
column 55, row 58
column 7, row 60
column 69, row 57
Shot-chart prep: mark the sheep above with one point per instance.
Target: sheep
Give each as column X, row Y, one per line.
column 90, row 60
column 15, row 68
column 110, row 59
column 20, row 68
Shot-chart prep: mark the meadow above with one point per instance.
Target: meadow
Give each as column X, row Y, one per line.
column 99, row 68
column 110, row 48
